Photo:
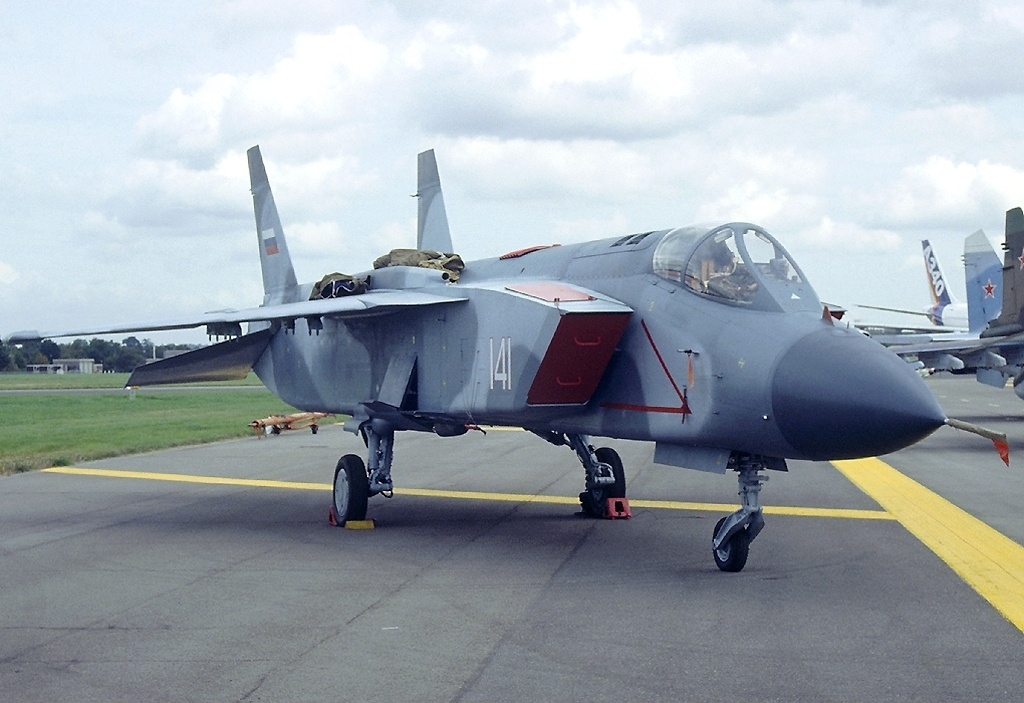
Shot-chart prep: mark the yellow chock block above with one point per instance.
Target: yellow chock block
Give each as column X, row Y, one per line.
column 360, row 524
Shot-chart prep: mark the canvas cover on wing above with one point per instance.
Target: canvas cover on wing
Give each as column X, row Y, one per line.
column 451, row 264
column 339, row 285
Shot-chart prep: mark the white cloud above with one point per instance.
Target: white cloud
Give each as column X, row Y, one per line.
column 320, row 79
column 178, row 199
column 8, row 274
column 943, row 190
column 586, row 228
column 190, row 123
column 326, row 78
column 549, row 169
column 844, row 127
column 599, row 47
column 842, row 237
column 749, row 201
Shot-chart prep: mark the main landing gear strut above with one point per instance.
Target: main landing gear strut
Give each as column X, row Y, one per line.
column 604, row 475
column 354, row 482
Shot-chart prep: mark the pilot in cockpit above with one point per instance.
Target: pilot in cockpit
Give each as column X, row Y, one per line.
column 723, row 275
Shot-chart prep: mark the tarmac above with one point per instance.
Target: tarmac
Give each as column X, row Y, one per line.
column 211, row 573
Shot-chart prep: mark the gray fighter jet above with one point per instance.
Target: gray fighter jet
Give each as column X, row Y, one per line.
column 708, row 341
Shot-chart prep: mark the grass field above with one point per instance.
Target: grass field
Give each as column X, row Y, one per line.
column 38, row 430
column 52, row 381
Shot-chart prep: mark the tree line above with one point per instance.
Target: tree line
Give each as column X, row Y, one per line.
column 120, row 357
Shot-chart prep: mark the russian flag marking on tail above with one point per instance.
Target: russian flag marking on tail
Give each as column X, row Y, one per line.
column 269, row 241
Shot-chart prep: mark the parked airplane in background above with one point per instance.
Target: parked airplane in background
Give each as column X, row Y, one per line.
column 982, row 274
column 996, row 354
column 708, row 342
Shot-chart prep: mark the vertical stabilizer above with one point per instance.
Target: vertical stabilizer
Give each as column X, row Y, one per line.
column 941, row 298
column 982, row 271
column 432, row 221
column 276, row 262
column 1012, row 313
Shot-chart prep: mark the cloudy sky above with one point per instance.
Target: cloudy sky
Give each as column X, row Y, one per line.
column 851, row 130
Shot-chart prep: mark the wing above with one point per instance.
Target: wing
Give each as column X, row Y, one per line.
column 228, row 322
column 954, row 354
column 882, row 331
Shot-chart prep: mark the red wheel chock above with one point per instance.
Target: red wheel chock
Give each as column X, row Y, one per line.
column 332, row 519
column 617, row 509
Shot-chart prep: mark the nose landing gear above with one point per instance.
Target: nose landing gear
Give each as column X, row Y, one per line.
column 734, row 533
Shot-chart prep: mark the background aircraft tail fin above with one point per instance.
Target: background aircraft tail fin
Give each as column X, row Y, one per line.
column 432, row 220
column 936, row 281
column 1012, row 314
column 276, row 262
column 941, row 297
column 982, row 270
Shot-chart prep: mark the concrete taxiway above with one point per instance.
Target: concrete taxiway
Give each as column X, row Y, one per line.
column 210, row 573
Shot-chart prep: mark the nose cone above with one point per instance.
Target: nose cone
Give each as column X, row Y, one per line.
column 839, row 395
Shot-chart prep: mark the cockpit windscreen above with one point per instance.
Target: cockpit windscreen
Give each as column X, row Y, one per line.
column 739, row 264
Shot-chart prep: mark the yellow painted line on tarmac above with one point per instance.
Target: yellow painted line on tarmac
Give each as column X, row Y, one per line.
column 988, row 561
column 481, row 495
column 473, row 495
column 790, row 510
column 644, row 503
column 190, row 478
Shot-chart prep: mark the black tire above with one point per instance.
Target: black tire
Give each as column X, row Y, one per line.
column 351, row 489
column 732, row 555
column 595, row 501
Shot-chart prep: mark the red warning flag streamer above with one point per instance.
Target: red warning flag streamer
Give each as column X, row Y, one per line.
column 1004, row 451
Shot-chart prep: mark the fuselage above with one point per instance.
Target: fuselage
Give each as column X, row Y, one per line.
column 713, row 353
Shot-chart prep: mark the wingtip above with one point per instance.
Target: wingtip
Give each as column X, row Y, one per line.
column 23, row 336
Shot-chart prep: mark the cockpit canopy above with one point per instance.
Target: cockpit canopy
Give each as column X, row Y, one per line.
column 738, row 264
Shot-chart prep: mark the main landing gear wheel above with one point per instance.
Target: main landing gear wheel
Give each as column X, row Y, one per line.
column 351, row 489
column 732, row 555
column 595, row 499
